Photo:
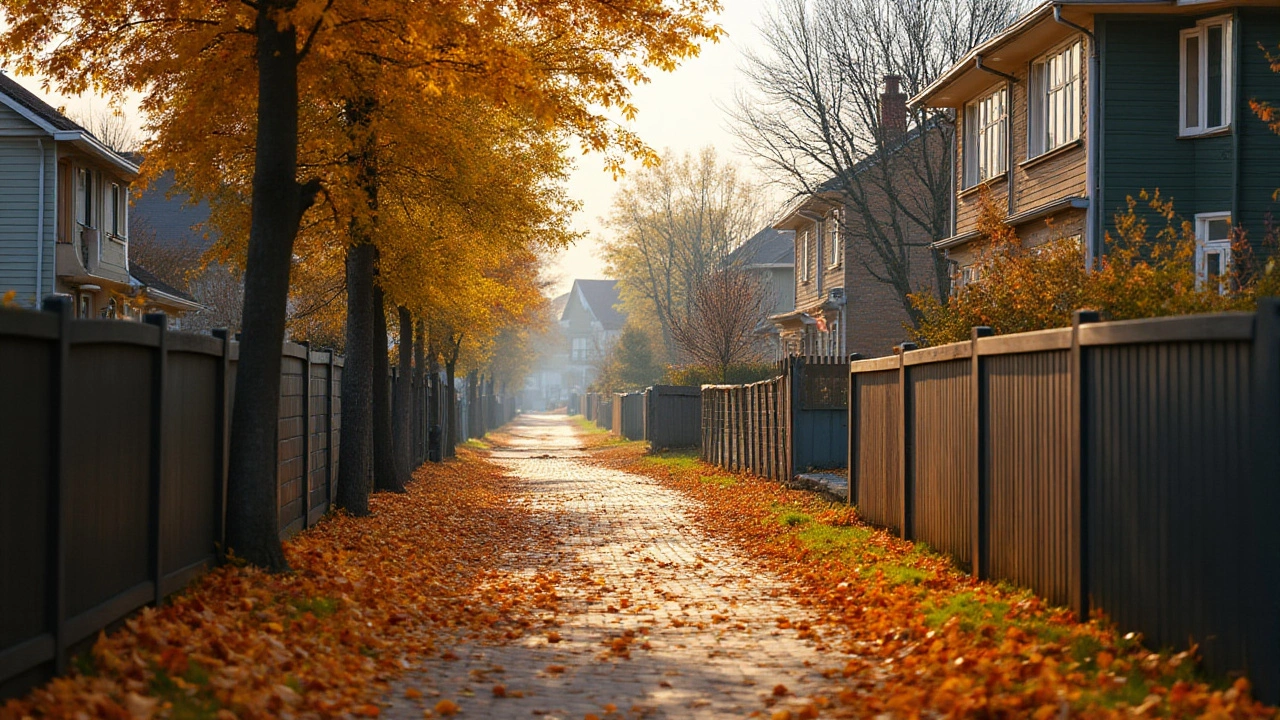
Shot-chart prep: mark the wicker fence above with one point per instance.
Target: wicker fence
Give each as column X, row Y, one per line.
column 1130, row 467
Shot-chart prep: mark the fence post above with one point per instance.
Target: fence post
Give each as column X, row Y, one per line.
column 980, row 522
column 905, row 466
column 306, row 433
column 854, row 449
column 222, row 435
column 155, row 464
column 1077, row 499
column 1263, row 497
column 56, row 584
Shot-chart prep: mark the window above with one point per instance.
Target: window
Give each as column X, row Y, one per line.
column 84, row 198
column 804, row 256
column 1205, row 55
column 84, row 307
column 113, row 211
column 833, row 238
column 1054, row 101
column 581, row 349
column 985, row 138
column 1213, row 249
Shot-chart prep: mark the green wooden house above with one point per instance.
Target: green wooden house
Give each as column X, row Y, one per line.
column 1079, row 105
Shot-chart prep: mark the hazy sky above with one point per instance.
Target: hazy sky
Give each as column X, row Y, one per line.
column 678, row 111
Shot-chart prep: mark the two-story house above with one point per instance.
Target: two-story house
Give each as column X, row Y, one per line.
column 64, row 216
column 591, row 322
column 1079, row 105
column 841, row 306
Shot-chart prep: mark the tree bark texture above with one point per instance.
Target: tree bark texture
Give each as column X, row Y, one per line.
column 277, row 206
column 420, row 396
column 385, row 476
column 403, row 404
column 451, row 399
column 355, row 447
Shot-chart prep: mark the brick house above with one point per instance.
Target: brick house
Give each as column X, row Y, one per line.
column 841, row 307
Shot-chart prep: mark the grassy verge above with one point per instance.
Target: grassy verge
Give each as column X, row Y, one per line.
column 923, row 636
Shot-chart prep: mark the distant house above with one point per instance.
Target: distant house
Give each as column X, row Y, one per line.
column 64, row 216
column 591, row 322
column 840, row 306
column 1078, row 105
column 771, row 254
column 547, row 386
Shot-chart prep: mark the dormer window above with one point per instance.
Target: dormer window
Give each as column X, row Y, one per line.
column 1205, row 72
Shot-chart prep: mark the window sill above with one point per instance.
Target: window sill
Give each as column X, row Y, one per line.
column 118, row 240
column 1196, row 135
column 1051, row 154
column 989, row 183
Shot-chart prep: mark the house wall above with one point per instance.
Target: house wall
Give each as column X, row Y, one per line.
column 20, row 162
column 1234, row 172
column 783, row 282
column 1036, row 181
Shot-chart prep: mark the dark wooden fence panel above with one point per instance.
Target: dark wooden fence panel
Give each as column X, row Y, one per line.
column 191, row 484
column 319, row 433
column 877, row 472
column 1029, row 396
column 28, row 353
column 335, row 429
column 672, row 416
column 629, row 416
column 1168, row 431
column 291, row 439
column 941, row 458
column 105, row 456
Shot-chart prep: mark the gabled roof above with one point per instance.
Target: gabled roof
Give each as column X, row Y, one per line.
column 767, row 248
column 62, row 128
column 149, row 280
column 171, row 218
column 600, row 298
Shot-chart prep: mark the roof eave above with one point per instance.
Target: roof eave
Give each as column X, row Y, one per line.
column 92, row 145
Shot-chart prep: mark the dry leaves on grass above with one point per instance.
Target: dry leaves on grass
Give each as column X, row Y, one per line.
column 922, row 636
column 366, row 596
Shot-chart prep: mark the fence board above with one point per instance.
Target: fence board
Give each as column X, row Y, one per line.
column 876, row 477
column 191, row 485
column 943, row 445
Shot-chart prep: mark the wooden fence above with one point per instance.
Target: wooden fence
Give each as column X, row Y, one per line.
column 777, row 428
column 114, row 443
column 1130, row 467
column 672, row 416
column 628, row 415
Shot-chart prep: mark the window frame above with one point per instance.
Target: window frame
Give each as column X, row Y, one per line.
column 836, row 251
column 975, row 138
column 1201, row 33
column 1039, row 96
column 804, row 256
column 1206, row 247
column 83, row 197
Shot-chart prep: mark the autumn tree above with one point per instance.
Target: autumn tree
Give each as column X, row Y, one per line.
column 726, row 308
column 216, row 74
column 812, row 116
column 631, row 363
column 672, row 226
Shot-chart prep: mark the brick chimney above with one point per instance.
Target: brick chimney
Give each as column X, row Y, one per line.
column 893, row 108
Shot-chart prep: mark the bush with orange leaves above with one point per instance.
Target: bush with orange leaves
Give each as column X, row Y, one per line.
column 1141, row 275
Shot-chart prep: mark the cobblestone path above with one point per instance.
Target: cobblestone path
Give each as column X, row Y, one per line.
column 655, row 619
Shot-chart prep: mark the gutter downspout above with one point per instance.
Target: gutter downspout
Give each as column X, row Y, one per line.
column 40, row 224
column 1094, row 141
column 1010, row 81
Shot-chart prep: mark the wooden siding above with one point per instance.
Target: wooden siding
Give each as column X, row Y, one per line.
column 11, row 122
column 19, row 206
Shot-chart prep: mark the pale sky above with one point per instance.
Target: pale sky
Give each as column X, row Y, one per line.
column 679, row 111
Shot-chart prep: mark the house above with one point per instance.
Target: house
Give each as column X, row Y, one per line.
column 591, row 322
column 64, row 216
column 1079, row 105
column 841, row 307
column 770, row 254
column 548, row 383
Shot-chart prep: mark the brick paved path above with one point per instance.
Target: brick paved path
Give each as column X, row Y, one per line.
column 655, row 618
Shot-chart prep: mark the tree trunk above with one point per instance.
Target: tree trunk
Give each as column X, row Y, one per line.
column 277, row 206
column 451, row 399
column 385, row 476
column 355, row 448
column 420, row 423
column 403, row 404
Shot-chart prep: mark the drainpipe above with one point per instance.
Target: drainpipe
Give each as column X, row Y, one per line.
column 1093, row 141
column 40, row 224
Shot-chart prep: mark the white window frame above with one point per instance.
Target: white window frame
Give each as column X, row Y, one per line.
column 1201, row 32
column 986, row 145
column 1054, row 100
column 1206, row 247
column 84, row 182
column 836, row 249
column 804, row 256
